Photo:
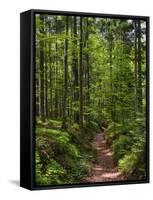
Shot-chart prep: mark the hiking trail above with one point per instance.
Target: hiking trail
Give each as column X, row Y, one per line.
column 103, row 169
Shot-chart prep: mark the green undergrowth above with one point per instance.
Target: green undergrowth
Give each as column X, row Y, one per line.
column 62, row 157
column 128, row 146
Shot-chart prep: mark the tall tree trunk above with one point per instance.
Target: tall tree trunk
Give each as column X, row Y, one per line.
column 37, row 77
column 51, row 95
column 81, row 75
column 87, row 70
column 37, row 97
column 112, row 102
column 64, row 120
column 42, row 109
column 136, row 67
column 56, row 75
column 75, row 70
column 110, row 71
column 46, row 81
column 50, row 89
column 139, row 69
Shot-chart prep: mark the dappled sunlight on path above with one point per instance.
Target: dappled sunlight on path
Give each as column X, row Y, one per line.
column 103, row 169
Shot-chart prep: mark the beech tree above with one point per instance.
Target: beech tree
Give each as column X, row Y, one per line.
column 42, row 104
column 65, row 75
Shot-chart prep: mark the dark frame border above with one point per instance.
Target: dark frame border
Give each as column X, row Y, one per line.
column 27, row 97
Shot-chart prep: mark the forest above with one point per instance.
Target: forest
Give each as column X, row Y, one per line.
column 90, row 99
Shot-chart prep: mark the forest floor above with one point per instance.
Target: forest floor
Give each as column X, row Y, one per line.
column 103, row 169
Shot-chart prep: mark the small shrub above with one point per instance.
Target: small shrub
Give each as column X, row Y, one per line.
column 132, row 165
column 94, row 127
column 127, row 164
column 59, row 160
column 53, row 174
column 120, row 147
column 112, row 132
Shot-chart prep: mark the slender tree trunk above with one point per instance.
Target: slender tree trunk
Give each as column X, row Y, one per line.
column 51, row 95
column 50, row 89
column 136, row 67
column 64, row 120
column 110, row 71
column 56, row 76
column 75, row 70
column 139, row 69
column 42, row 110
column 37, row 97
column 46, row 82
column 37, row 77
column 81, row 75
column 87, row 71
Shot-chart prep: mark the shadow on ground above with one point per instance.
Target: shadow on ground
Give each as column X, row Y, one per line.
column 15, row 182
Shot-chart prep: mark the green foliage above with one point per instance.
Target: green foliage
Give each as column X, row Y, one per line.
column 94, row 126
column 48, row 123
column 132, row 164
column 53, row 134
column 113, row 132
column 128, row 145
column 121, row 146
column 58, row 157
column 53, row 175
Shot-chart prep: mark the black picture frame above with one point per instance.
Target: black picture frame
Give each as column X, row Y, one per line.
column 27, row 98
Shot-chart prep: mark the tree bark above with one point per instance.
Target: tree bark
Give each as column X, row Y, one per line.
column 56, row 75
column 42, row 109
column 81, row 75
column 64, row 120
column 75, row 70
column 87, row 71
column 46, row 81
column 139, row 69
column 136, row 67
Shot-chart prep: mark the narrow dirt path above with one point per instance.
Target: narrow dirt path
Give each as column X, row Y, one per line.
column 103, row 169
